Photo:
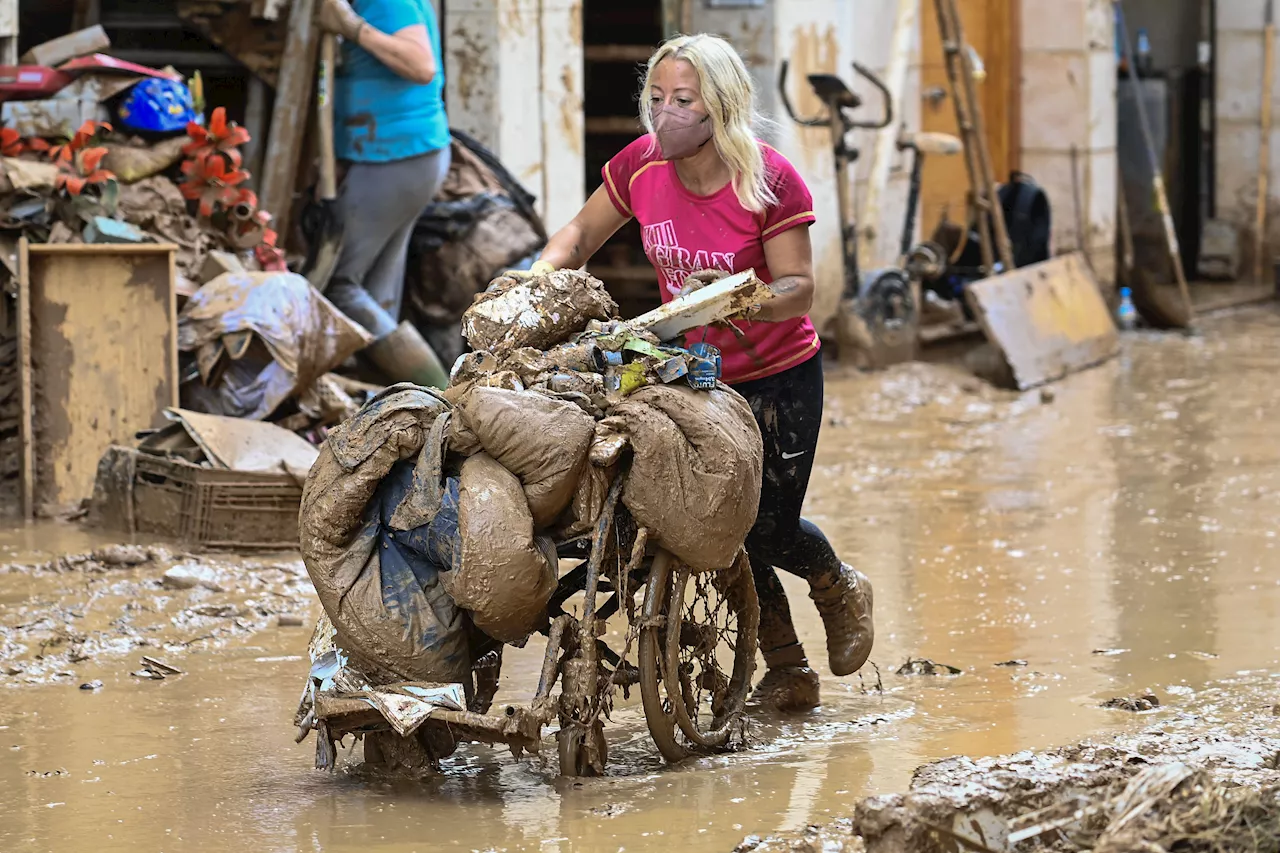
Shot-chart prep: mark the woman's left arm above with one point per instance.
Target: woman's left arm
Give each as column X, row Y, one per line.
column 789, row 256
column 407, row 51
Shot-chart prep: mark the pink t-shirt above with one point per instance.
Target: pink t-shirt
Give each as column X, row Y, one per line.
column 684, row 232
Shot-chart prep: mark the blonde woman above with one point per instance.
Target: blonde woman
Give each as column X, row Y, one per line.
column 711, row 200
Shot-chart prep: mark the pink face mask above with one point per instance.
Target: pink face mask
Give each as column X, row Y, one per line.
column 681, row 132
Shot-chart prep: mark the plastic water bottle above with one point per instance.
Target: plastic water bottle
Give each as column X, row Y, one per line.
column 1144, row 54
column 1126, row 314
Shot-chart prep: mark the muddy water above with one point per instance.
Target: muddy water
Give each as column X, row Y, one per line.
column 1118, row 537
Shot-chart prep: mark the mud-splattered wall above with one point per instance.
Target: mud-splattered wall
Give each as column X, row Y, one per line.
column 514, row 77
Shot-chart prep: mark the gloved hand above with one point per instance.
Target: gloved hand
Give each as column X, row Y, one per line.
column 538, row 268
column 700, row 279
column 337, row 17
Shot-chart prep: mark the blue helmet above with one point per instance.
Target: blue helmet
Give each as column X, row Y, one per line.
column 156, row 105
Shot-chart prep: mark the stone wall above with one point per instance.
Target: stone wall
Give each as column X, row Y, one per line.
column 1069, row 104
column 1238, row 103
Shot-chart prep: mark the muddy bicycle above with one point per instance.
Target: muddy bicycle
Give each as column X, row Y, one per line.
column 693, row 635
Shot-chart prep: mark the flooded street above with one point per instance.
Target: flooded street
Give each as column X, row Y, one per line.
column 1113, row 535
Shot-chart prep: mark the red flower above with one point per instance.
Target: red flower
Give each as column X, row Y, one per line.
column 65, row 152
column 220, row 136
column 209, row 180
column 82, row 171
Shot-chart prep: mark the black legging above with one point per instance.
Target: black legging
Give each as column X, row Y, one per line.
column 788, row 408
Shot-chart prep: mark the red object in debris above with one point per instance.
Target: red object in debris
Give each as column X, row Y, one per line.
column 270, row 258
column 102, row 62
column 31, row 82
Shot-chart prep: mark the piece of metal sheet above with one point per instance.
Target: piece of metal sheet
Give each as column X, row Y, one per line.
column 1047, row 319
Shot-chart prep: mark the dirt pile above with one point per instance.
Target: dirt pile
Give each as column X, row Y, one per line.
column 1203, row 782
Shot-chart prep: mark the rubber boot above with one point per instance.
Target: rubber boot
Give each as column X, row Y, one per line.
column 790, row 685
column 405, row 356
column 845, row 605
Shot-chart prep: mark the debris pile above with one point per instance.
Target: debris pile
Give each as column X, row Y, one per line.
column 97, row 150
column 430, row 521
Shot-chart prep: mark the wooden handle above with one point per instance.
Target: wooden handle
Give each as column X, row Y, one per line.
column 1264, row 152
column 324, row 118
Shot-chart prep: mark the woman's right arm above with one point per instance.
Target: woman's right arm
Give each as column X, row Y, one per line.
column 574, row 244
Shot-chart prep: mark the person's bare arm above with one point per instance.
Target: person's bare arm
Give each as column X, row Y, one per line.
column 574, row 244
column 790, row 259
column 407, row 52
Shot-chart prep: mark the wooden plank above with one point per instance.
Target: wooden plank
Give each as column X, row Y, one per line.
column 26, row 424
column 103, row 342
column 289, row 117
column 1048, row 319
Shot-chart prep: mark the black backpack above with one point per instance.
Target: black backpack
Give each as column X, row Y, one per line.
column 1027, row 218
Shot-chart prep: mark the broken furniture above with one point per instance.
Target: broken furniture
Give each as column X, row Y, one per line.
column 1048, row 319
column 98, row 359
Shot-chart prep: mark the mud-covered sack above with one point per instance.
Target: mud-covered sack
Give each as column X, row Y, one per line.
column 694, row 480
column 542, row 441
column 392, row 616
column 504, row 575
column 539, row 312
column 260, row 338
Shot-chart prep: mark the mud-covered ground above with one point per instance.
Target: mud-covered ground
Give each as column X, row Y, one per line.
column 1114, row 538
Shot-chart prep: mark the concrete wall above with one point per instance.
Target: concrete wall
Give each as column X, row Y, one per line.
column 824, row 36
column 514, row 80
column 1069, row 102
column 1238, row 51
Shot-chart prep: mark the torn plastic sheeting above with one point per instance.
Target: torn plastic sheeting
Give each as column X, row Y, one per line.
column 304, row 334
column 407, row 707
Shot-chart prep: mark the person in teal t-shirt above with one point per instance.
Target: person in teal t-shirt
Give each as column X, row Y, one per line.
column 392, row 136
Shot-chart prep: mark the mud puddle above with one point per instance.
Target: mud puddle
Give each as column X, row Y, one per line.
column 1115, row 537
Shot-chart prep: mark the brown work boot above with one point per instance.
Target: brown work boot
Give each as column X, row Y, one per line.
column 789, row 685
column 845, row 606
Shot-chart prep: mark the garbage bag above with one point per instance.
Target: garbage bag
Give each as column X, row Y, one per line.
column 694, row 480
column 288, row 332
column 380, row 583
column 541, row 440
column 481, row 222
column 538, row 312
column 504, row 575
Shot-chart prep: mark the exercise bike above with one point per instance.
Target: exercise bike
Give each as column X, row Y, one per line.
column 879, row 312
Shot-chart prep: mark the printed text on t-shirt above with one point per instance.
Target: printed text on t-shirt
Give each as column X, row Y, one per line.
column 675, row 262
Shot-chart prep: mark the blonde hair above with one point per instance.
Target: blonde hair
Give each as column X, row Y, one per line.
column 730, row 98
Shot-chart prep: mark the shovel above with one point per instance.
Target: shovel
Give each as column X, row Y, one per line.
column 326, row 242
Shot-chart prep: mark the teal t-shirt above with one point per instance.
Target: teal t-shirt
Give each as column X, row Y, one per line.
column 379, row 115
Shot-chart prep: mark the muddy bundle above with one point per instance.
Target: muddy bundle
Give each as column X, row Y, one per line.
column 566, row 398
column 366, row 534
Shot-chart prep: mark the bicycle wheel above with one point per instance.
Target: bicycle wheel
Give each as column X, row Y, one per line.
column 704, row 653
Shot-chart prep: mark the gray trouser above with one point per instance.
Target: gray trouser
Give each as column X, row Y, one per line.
column 379, row 204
